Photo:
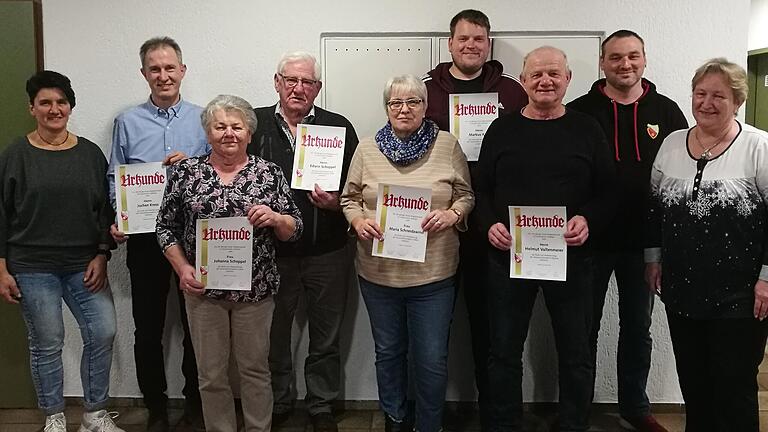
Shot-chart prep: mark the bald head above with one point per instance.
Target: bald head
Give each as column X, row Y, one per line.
column 547, row 50
column 545, row 77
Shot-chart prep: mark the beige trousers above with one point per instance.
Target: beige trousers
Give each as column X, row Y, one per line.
column 219, row 327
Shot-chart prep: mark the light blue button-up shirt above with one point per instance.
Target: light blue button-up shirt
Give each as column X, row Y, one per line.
column 147, row 133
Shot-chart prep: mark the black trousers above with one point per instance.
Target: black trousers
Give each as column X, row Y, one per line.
column 717, row 362
column 510, row 304
column 471, row 279
column 150, row 275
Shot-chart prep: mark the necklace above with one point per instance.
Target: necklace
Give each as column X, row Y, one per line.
column 707, row 153
column 50, row 143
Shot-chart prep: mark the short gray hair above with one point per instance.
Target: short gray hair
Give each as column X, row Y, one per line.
column 407, row 84
column 735, row 77
column 229, row 103
column 299, row 56
column 547, row 48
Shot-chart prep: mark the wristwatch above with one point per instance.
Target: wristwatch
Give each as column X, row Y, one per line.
column 106, row 252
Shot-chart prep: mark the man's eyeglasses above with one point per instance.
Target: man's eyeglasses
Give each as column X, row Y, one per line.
column 292, row 82
column 397, row 104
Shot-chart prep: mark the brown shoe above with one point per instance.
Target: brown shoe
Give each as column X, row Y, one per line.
column 646, row 423
column 324, row 422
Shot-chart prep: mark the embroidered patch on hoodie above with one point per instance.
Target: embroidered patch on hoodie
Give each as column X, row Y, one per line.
column 653, row 130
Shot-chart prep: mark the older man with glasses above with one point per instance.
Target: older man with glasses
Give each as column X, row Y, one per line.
column 317, row 267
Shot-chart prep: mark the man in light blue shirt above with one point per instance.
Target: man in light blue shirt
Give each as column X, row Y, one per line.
column 168, row 129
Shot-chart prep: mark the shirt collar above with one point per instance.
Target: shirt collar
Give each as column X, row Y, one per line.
column 308, row 119
column 172, row 111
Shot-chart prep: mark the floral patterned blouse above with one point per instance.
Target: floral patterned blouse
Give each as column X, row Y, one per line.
column 194, row 191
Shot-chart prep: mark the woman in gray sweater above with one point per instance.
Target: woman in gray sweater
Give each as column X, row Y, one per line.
column 54, row 245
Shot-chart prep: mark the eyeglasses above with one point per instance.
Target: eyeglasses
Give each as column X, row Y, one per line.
column 397, row 104
column 291, row 81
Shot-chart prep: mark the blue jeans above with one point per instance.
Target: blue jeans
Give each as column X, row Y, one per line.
column 95, row 314
column 635, row 343
column 415, row 320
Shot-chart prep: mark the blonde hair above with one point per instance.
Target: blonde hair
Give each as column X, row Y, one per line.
column 734, row 74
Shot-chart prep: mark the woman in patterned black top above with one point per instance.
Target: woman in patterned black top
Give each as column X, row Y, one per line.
column 707, row 224
column 225, row 183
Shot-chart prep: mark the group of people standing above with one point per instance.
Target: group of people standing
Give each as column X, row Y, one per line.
column 638, row 186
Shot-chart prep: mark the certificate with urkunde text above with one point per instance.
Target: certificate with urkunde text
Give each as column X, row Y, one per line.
column 538, row 243
column 139, row 190
column 318, row 157
column 399, row 212
column 224, row 253
column 470, row 116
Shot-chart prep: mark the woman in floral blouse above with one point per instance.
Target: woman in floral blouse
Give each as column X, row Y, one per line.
column 226, row 183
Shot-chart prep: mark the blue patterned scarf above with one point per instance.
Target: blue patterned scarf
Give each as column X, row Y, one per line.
column 406, row 152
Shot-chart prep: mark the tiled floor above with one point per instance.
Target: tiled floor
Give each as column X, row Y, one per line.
column 133, row 420
column 457, row 418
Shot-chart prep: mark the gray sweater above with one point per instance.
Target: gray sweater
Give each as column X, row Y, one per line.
column 54, row 211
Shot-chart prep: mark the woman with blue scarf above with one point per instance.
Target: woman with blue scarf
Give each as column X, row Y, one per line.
column 410, row 304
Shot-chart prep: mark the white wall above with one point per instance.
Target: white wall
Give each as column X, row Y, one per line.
column 232, row 47
column 758, row 25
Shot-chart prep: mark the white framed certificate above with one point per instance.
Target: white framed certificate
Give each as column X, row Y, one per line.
column 538, row 243
column 318, row 157
column 470, row 116
column 139, row 190
column 399, row 212
column 224, row 253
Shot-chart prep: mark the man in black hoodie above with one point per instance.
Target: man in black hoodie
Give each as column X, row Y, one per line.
column 469, row 72
column 636, row 119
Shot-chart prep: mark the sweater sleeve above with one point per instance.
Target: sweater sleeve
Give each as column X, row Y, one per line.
column 601, row 208
column 760, row 161
column 352, row 196
column 106, row 216
column 485, row 175
column 652, row 253
column 463, row 198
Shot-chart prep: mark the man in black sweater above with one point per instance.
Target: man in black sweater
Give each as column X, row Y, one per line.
column 316, row 266
column 636, row 119
column 546, row 155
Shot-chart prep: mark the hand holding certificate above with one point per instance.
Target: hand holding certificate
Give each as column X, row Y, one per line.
column 224, row 253
column 318, row 157
column 139, row 191
column 539, row 249
column 470, row 116
column 400, row 211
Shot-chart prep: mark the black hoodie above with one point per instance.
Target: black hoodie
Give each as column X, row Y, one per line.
column 635, row 133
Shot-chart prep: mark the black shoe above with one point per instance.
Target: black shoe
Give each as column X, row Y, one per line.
column 157, row 421
column 193, row 417
column 391, row 425
column 324, row 422
column 278, row 418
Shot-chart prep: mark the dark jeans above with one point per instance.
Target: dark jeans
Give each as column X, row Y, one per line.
column 323, row 282
column 411, row 324
column 717, row 362
column 635, row 307
column 472, row 281
column 150, row 276
column 510, row 302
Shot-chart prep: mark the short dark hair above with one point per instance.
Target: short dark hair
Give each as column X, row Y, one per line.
column 158, row 42
column 620, row 34
column 50, row 79
column 472, row 16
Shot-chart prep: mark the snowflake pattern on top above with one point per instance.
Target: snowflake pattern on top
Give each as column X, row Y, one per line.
column 723, row 194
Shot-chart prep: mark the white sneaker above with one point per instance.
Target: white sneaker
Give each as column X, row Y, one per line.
column 55, row 423
column 99, row 421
